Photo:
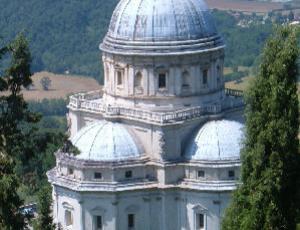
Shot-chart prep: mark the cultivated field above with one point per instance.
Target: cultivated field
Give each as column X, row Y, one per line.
column 241, row 84
column 61, row 86
column 244, row 6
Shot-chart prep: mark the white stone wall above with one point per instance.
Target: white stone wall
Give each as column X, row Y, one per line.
column 183, row 79
column 153, row 210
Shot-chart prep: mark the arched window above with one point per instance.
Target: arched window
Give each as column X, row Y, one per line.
column 185, row 79
column 138, row 80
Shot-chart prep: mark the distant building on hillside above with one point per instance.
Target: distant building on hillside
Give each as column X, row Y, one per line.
column 160, row 148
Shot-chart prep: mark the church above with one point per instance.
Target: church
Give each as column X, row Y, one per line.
column 159, row 145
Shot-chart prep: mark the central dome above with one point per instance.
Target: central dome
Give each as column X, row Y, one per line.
column 161, row 20
column 160, row 25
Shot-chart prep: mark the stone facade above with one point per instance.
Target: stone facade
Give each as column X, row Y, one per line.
column 161, row 90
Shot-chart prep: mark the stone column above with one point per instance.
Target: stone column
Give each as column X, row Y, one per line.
column 112, row 79
column 172, row 78
column 197, row 78
column 115, row 214
column 144, row 85
column 82, row 216
column 130, row 80
column 193, row 79
column 147, row 213
column 178, row 80
column 55, row 205
column 152, row 81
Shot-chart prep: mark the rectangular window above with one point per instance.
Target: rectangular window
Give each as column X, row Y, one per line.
column 204, row 77
column 68, row 218
column 70, row 171
column 162, row 80
column 200, row 221
column 98, row 175
column 201, row 173
column 128, row 174
column 130, row 221
column 99, row 223
column 119, row 77
column 231, row 174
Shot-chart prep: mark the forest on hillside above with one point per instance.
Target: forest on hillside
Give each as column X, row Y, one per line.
column 64, row 35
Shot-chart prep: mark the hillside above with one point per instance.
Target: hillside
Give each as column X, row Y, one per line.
column 61, row 86
column 245, row 6
column 64, row 35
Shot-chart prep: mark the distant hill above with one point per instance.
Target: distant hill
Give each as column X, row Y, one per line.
column 64, row 35
column 245, row 6
column 60, row 88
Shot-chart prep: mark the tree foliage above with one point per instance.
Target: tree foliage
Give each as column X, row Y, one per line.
column 46, row 83
column 13, row 111
column 13, row 108
column 267, row 198
column 10, row 217
column 45, row 220
column 64, row 35
column 243, row 43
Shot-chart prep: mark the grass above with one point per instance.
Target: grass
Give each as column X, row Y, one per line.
column 61, row 86
column 242, row 84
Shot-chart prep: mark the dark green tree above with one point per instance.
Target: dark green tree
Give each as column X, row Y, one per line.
column 45, row 220
column 267, row 197
column 13, row 111
column 10, row 217
column 13, row 108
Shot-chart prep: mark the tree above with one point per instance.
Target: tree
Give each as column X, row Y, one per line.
column 291, row 16
column 45, row 220
column 13, row 111
column 267, row 197
column 13, row 108
column 46, row 83
column 10, row 217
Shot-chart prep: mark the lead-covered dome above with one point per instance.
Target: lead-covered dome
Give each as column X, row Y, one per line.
column 106, row 141
column 216, row 140
column 161, row 27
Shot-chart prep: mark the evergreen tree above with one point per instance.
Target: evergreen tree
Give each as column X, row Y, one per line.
column 267, row 197
column 13, row 108
column 45, row 220
column 10, row 217
column 13, row 111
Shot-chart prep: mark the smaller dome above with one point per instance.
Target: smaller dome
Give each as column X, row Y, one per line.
column 216, row 140
column 105, row 141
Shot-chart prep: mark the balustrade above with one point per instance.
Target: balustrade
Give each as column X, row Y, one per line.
column 234, row 92
column 92, row 102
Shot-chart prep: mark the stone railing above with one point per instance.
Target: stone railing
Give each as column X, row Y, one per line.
column 92, row 102
column 234, row 92
column 164, row 117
